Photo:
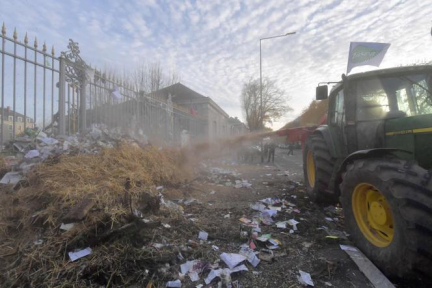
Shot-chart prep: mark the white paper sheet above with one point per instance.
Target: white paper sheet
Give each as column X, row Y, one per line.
column 79, row 254
column 176, row 284
column 32, row 154
column 66, row 227
column 348, row 248
column 193, row 276
column 11, row 178
column 305, row 278
column 203, row 235
column 232, row 259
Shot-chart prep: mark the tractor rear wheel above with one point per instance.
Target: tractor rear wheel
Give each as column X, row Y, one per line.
column 317, row 169
column 388, row 213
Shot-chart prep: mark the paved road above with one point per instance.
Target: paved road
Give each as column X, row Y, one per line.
column 292, row 164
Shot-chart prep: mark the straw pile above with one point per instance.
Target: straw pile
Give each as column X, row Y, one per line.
column 119, row 183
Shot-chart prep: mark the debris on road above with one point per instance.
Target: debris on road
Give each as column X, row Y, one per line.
column 305, row 278
column 79, row 254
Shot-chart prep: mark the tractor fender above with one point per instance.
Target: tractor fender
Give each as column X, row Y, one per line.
column 325, row 132
column 364, row 154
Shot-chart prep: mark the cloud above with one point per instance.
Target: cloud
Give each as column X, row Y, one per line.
column 214, row 45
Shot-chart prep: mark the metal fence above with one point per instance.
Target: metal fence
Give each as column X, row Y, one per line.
column 63, row 95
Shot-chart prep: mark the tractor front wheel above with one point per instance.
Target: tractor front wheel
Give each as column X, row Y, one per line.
column 317, row 169
column 388, row 213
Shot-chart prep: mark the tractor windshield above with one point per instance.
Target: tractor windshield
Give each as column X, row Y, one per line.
column 406, row 95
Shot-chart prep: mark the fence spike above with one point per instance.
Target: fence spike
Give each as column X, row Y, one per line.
column 44, row 47
column 25, row 39
column 52, row 51
column 4, row 29
column 15, row 34
column 35, row 43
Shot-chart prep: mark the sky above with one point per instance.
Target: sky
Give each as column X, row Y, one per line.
column 213, row 45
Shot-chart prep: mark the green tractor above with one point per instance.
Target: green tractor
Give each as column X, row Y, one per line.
column 375, row 157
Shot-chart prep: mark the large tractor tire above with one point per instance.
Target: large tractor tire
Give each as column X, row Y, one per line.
column 388, row 213
column 317, row 170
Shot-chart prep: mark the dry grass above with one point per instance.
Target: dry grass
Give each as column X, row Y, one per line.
column 35, row 212
column 103, row 177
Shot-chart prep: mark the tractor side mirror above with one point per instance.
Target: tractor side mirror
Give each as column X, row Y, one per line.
column 321, row 92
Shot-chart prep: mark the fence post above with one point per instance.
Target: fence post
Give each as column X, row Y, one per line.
column 61, row 110
column 83, row 109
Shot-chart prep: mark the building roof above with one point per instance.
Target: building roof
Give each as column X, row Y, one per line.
column 185, row 95
column 10, row 112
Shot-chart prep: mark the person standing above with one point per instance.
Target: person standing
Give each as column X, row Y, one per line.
column 290, row 149
column 271, row 151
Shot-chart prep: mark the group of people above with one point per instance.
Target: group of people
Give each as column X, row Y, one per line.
column 270, row 148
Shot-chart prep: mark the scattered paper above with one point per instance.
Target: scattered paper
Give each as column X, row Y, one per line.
column 217, row 273
column 159, row 188
column 305, row 278
column 264, row 237
column 281, row 225
column 49, row 140
column 293, row 223
column 215, row 248
column 275, row 208
column 250, row 255
column 256, row 229
column 270, row 213
column 65, row 145
column 157, row 245
column 232, row 259
column 79, row 254
column 252, row 245
column 32, row 154
column 348, row 248
column 38, row 242
column 213, row 274
column 166, row 225
column 227, row 216
column 66, row 227
column 331, row 237
column 11, row 178
column 176, row 283
column 272, row 247
column 248, row 222
column 329, row 219
column 193, row 276
column 203, row 235
column 274, row 241
column 258, row 207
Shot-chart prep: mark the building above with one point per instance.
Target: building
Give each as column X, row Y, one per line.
column 237, row 127
column 218, row 122
column 8, row 121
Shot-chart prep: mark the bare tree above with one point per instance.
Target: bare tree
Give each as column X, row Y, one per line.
column 149, row 78
column 274, row 103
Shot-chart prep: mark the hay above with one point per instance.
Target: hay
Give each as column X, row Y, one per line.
column 56, row 186
column 103, row 177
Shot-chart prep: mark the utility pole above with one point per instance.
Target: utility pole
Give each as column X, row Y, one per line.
column 261, row 88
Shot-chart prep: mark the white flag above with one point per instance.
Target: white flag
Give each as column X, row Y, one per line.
column 366, row 53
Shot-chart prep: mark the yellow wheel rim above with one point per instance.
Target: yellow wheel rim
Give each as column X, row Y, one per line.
column 373, row 214
column 310, row 162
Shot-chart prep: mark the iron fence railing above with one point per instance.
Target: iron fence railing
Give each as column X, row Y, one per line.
column 62, row 95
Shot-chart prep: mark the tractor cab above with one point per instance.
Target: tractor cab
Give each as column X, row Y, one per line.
column 388, row 108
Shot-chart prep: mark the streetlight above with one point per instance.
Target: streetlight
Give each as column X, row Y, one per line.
column 261, row 97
